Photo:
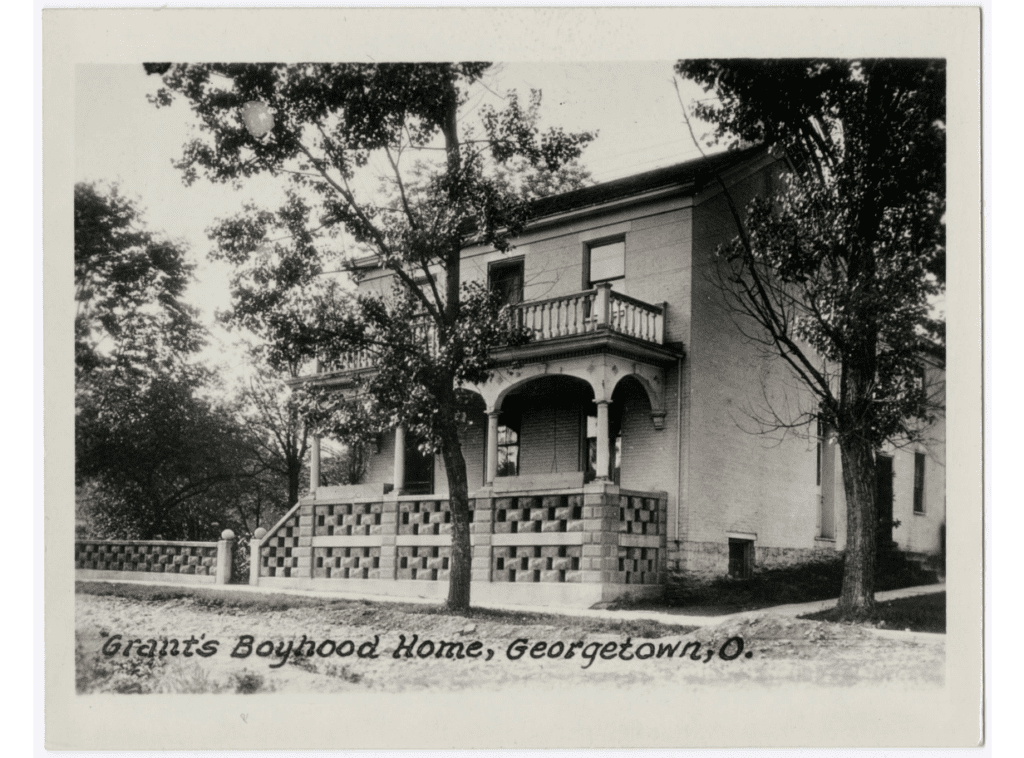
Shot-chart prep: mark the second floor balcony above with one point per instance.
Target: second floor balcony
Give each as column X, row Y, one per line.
column 589, row 312
column 587, row 321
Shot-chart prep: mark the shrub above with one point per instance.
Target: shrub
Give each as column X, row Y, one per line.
column 127, row 676
column 247, row 682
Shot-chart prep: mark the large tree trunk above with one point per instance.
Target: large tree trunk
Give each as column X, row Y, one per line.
column 458, row 495
column 858, row 594
column 451, row 448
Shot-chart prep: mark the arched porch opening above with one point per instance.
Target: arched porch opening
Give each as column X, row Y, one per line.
column 539, row 430
column 633, row 431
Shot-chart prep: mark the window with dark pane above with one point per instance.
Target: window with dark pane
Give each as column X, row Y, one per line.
column 741, row 559
column 507, row 281
column 508, row 443
column 919, row 482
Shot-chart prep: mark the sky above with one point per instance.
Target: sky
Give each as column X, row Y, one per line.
column 120, row 137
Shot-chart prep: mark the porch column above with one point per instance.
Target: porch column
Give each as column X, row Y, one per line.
column 602, row 440
column 399, row 472
column 492, row 446
column 314, row 464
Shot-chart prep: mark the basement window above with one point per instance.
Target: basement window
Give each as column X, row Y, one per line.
column 741, row 558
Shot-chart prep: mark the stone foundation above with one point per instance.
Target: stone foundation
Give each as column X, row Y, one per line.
column 706, row 561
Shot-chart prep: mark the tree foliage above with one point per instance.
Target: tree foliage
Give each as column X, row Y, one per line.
column 129, row 282
column 272, row 417
column 406, row 125
column 153, row 455
column 157, row 458
column 837, row 271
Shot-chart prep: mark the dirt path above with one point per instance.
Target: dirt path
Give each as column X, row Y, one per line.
column 763, row 649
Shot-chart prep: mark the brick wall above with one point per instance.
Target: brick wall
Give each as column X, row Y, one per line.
column 740, row 481
column 765, row 485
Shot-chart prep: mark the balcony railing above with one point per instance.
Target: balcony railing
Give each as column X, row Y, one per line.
column 353, row 361
column 592, row 310
column 578, row 314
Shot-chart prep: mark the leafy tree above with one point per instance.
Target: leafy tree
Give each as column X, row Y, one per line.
column 157, row 459
column 152, row 456
column 532, row 183
column 838, row 269
column 322, row 127
column 129, row 283
column 273, row 418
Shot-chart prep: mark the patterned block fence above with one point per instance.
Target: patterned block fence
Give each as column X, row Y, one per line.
column 537, row 563
column 538, row 514
column 196, row 562
column 346, row 562
column 279, row 556
column 595, row 535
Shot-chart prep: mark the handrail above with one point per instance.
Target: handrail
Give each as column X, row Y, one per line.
column 557, row 298
column 633, row 301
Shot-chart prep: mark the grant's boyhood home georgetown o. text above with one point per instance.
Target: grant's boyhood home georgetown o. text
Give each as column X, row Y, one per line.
column 620, row 442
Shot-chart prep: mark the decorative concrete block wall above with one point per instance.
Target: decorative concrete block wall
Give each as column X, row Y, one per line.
column 189, row 562
column 577, row 546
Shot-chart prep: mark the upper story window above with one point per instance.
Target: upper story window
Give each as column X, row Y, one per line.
column 506, row 279
column 605, row 262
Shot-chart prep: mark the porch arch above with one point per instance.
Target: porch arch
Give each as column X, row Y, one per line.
column 505, row 382
column 654, row 387
column 537, row 428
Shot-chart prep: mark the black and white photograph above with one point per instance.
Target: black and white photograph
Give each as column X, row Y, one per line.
column 551, row 398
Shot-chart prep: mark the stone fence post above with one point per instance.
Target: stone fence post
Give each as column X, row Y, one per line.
column 224, row 556
column 254, row 555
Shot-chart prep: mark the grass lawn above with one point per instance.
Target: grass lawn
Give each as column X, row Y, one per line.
column 799, row 584
column 259, row 603
column 923, row 613
column 254, row 643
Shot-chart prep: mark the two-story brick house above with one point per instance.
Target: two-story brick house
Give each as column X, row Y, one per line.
column 618, row 443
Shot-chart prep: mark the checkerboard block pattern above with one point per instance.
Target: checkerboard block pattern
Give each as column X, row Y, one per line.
column 279, row 554
column 550, row 563
column 426, row 517
column 641, row 515
column 161, row 559
column 425, row 563
column 638, row 565
column 347, row 563
column 531, row 514
column 348, row 519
